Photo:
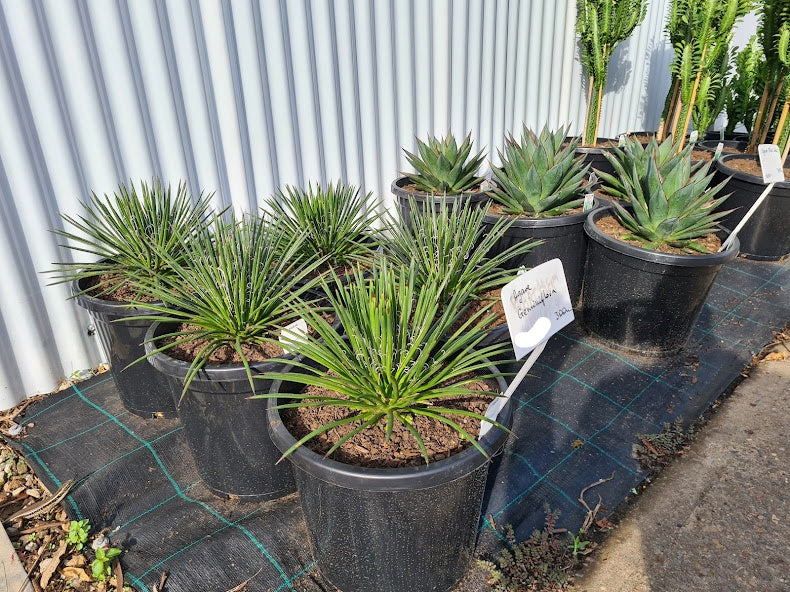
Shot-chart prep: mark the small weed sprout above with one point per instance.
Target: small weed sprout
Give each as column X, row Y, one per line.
column 102, row 565
column 78, row 533
column 655, row 451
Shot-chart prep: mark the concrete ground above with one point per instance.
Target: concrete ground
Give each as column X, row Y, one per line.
column 718, row 518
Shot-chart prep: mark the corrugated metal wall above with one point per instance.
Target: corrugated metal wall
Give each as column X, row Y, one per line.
column 243, row 96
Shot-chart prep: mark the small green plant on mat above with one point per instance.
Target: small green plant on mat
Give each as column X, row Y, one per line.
column 670, row 204
column 443, row 167
column 335, row 222
column 540, row 174
column 450, row 246
column 133, row 236
column 541, row 563
column 401, row 356
column 101, row 568
column 655, row 451
column 78, row 533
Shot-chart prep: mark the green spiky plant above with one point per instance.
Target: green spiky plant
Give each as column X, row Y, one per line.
column 443, row 167
column 773, row 33
column 235, row 290
column 635, row 154
column 712, row 94
column 700, row 32
column 540, row 175
column 336, row 222
column 132, row 236
column 742, row 99
column 450, row 246
column 400, row 359
column 602, row 25
column 672, row 205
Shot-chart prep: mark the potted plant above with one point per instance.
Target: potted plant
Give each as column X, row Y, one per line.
column 131, row 237
column 383, row 438
column 651, row 262
column 742, row 102
column 765, row 237
column 540, row 185
column 601, row 25
column 222, row 312
column 336, row 223
column 443, row 169
column 452, row 248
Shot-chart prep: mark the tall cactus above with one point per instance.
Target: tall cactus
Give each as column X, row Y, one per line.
column 742, row 98
column 602, row 25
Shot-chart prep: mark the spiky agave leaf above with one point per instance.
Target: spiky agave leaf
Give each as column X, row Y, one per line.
column 400, row 358
column 539, row 176
column 336, row 222
column 442, row 167
column 671, row 208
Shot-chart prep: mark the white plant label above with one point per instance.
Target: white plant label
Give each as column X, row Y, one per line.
column 542, row 292
column 588, row 202
column 719, row 150
column 693, row 136
column 296, row 331
column 621, row 140
column 771, row 163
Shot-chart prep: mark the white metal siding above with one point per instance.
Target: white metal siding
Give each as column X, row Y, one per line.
column 241, row 97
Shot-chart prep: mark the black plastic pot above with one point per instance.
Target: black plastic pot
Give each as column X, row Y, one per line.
column 713, row 144
column 563, row 237
column 643, row 301
column 716, row 136
column 142, row 390
column 766, row 236
column 422, row 200
column 594, row 156
column 225, row 429
column 392, row 530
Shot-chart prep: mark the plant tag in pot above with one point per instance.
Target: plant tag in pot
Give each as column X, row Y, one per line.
column 693, row 136
column 771, row 163
column 719, row 150
column 537, row 304
column 621, row 141
column 588, row 202
column 296, row 331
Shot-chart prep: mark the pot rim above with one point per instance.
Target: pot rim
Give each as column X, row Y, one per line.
column 549, row 222
column 397, row 188
column 721, row 165
column 703, row 260
column 104, row 306
column 388, row 479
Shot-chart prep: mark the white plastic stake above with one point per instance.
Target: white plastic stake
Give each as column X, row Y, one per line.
column 745, row 219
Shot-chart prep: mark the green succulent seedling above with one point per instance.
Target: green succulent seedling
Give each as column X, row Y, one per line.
column 540, row 174
column 443, row 167
column 450, row 247
column 401, row 357
column 336, row 222
column 634, row 154
column 673, row 207
column 101, row 568
column 133, row 235
column 78, row 533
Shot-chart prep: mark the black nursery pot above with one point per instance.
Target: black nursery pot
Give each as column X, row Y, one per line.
column 766, row 236
column 563, row 237
column 392, row 530
column 594, row 156
column 643, row 301
column 225, row 429
column 142, row 390
column 422, row 200
column 713, row 144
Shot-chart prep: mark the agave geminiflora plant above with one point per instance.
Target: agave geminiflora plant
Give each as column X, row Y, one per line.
column 450, row 247
column 336, row 222
column 634, row 154
column 399, row 358
column 671, row 205
column 236, row 289
column 133, row 236
column 443, row 167
column 540, row 174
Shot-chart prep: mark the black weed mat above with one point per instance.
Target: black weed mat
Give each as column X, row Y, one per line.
column 576, row 421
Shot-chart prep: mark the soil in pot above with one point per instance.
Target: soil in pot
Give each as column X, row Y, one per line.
column 142, row 389
column 643, row 301
column 765, row 236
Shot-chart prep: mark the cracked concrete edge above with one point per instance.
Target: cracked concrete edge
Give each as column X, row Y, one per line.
column 14, row 577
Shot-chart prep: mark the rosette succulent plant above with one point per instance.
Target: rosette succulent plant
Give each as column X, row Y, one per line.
column 443, row 167
column 540, row 174
column 671, row 204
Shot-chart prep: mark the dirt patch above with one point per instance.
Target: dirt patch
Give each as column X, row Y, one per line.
column 113, row 288
column 481, row 302
column 496, row 209
column 610, row 226
column 751, row 166
column 370, row 448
